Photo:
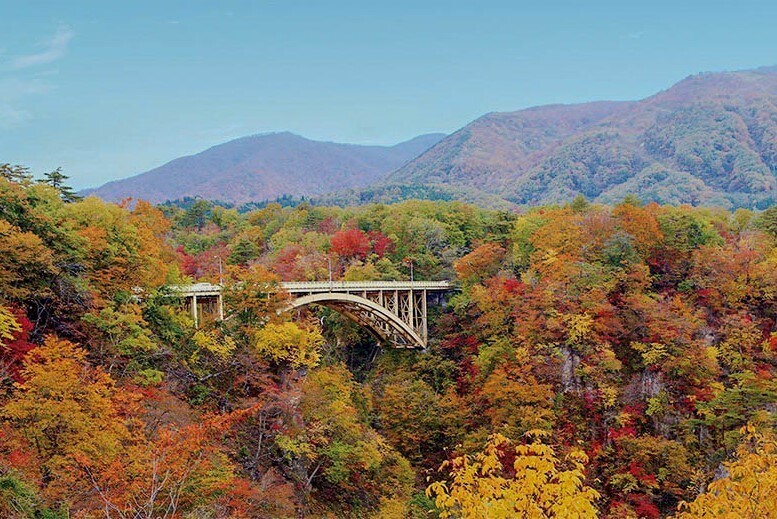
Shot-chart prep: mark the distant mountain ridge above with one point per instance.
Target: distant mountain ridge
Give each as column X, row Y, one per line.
column 262, row 167
column 710, row 139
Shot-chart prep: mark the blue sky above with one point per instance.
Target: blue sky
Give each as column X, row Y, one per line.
column 107, row 89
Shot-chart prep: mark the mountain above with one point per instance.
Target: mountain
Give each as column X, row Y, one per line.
column 710, row 139
column 262, row 167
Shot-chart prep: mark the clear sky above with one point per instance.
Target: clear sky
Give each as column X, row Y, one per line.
column 107, row 89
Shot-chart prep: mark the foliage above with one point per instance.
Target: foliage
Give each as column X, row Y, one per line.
column 289, row 344
column 68, row 412
column 350, row 243
column 480, row 264
column 540, row 486
column 749, row 488
column 642, row 335
column 8, row 325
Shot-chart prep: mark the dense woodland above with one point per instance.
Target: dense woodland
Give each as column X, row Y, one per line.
column 597, row 361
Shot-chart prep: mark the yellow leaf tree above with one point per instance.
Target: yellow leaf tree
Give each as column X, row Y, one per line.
column 68, row 412
column 26, row 264
column 538, row 486
column 750, row 489
column 8, row 325
column 289, row 345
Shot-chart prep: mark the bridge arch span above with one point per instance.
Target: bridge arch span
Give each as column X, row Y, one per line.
column 394, row 311
column 383, row 323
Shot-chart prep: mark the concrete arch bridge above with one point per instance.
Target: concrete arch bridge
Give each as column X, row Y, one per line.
column 395, row 312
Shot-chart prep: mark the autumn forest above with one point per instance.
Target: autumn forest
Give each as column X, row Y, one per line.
column 594, row 361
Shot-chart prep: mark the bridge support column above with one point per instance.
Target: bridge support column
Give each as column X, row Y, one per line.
column 411, row 309
column 194, row 309
column 424, row 328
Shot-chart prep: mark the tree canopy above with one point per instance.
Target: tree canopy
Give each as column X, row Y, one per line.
column 614, row 361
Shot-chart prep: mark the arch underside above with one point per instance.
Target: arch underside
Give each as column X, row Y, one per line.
column 386, row 326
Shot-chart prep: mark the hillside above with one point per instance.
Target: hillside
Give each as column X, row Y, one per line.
column 630, row 350
column 709, row 139
column 262, row 167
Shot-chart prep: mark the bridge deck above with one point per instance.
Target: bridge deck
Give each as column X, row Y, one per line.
column 361, row 286
column 307, row 287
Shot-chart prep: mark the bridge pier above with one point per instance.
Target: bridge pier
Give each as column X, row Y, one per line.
column 202, row 300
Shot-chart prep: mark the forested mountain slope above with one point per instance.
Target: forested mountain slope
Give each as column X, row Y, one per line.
column 711, row 139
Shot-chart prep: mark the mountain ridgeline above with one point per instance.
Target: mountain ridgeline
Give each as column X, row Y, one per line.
column 262, row 167
column 710, row 139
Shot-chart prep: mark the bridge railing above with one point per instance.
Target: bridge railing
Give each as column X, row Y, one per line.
column 356, row 286
column 201, row 289
column 208, row 289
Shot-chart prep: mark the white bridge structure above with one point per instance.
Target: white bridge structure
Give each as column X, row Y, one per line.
column 395, row 312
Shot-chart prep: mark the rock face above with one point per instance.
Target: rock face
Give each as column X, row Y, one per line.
column 651, row 384
column 263, row 167
column 570, row 362
column 710, row 139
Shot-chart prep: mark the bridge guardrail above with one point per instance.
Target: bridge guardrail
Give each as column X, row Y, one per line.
column 365, row 285
column 324, row 286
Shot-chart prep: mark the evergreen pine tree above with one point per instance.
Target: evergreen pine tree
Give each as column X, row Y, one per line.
column 56, row 179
